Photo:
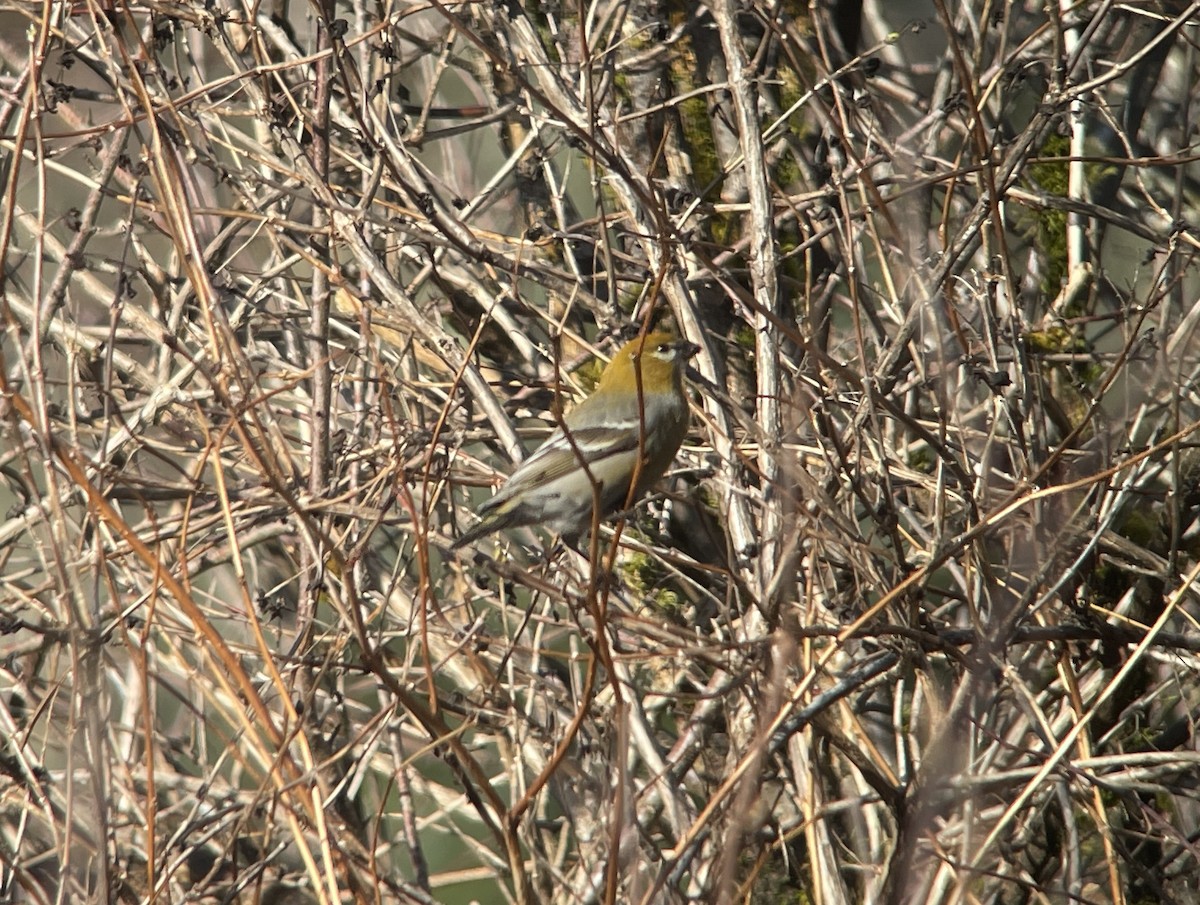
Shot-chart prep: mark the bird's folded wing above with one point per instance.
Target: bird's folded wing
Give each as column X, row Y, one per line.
column 592, row 446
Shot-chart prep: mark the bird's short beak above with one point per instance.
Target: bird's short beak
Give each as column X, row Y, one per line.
column 686, row 349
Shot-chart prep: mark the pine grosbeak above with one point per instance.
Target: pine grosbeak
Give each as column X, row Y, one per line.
column 627, row 431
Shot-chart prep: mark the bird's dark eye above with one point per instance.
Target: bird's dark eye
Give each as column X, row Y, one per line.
column 664, row 349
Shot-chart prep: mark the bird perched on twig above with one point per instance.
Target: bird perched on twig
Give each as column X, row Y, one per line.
column 626, row 433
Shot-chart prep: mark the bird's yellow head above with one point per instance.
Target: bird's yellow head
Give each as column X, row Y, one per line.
column 660, row 358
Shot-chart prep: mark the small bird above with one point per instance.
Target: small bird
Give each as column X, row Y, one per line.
column 637, row 414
